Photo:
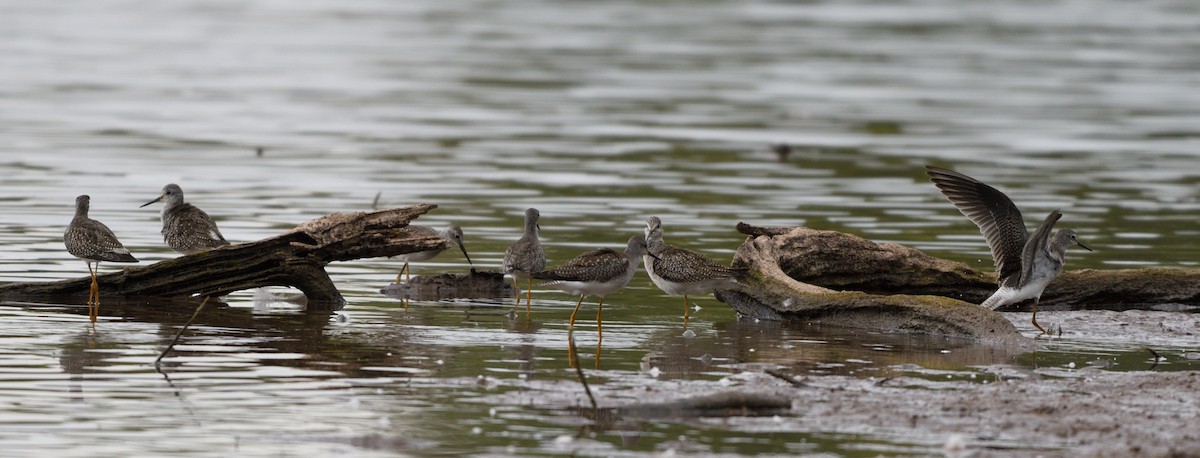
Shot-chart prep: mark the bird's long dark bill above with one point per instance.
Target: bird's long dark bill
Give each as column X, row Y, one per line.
column 656, row 258
column 465, row 255
column 1084, row 246
column 159, row 199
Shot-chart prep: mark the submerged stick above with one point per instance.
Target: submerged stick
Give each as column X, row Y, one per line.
column 785, row 377
column 184, row 328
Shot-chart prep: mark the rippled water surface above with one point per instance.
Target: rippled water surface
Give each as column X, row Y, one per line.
column 600, row 114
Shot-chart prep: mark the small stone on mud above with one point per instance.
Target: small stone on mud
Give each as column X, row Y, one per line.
column 955, row 446
column 689, row 333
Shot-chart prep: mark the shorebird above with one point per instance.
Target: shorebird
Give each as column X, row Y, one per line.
column 782, row 151
column 1025, row 263
column 186, row 228
column 92, row 241
column 596, row 273
column 453, row 235
column 681, row 272
column 524, row 257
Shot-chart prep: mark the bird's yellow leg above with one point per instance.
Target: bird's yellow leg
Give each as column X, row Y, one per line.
column 686, row 311
column 572, row 358
column 516, row 287
column 528, row 295
column 1034, row 319
column 93, row 292
column 403, row 271
column 599, row 331
column 599, row 311
column 577, row 304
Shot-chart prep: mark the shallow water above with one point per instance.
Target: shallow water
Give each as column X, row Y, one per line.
column 598, row 114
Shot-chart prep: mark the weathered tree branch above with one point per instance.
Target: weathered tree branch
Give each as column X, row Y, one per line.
column 772, row 294
column 296, row 258
column 896, row 288
column 850, row 263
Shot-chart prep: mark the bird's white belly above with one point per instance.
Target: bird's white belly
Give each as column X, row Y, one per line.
column 686, row 288
column 591, row 288
column 420, row 255
column 1005, row 295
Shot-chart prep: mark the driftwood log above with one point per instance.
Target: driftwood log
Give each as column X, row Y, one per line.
column 296, row 258
column 851, row 263
column 475, row 285
column 838, row 278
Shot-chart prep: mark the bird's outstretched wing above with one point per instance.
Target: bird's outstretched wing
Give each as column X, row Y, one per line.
column 997, row 217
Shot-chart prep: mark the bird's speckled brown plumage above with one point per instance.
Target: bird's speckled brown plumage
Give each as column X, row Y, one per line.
column 526, row 256
column 91, row 240
column 596, row 273
column 186, row 228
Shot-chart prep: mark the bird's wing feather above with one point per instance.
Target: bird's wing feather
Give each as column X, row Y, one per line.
column 91, row 239
column 685, row 266
column 599, row 265
column 525, row 255
column 1038, row 245
column 997, row 217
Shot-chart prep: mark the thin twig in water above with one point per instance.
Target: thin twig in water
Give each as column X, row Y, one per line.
column 579, row 372
column 785, row 377
column 184, row 328
column 375, row 203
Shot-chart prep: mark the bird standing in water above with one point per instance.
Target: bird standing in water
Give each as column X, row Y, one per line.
column 186, row 228
column 596, row 273
column 453, row 235
column 681, row 272
column 524, row 257
column 1025, row 263
column 92, row 241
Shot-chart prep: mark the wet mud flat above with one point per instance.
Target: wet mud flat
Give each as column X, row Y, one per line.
column 1042, row 407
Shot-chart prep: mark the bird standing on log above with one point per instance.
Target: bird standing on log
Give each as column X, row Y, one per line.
column 1025, row 263
column 186, row 228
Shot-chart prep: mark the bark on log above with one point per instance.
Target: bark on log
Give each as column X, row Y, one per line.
column 475, row 285
column 296, row 258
